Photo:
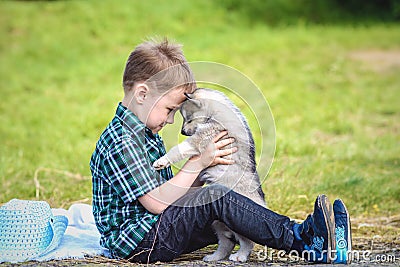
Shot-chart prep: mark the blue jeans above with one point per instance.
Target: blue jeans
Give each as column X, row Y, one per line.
column 186, row 226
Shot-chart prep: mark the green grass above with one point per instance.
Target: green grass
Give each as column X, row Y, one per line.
column 337, row 120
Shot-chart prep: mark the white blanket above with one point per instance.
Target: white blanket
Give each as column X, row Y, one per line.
column 81, row 237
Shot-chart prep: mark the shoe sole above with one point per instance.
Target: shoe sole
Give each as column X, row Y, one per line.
column 330, row 225
column 349, row 255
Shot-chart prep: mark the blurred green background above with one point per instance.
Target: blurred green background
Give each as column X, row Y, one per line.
column 330, row 71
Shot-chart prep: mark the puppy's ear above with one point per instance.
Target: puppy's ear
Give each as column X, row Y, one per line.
column 196, row 102
column 188, row 96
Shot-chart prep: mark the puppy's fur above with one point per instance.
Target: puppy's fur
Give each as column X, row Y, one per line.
column 206, row 113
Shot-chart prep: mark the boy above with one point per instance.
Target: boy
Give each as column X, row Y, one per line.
column 145, row 215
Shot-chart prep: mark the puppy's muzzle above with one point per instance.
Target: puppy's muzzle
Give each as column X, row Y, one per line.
column 187, row 131
column 184, row 132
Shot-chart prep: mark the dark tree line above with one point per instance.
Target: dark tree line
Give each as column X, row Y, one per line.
column 315, row 11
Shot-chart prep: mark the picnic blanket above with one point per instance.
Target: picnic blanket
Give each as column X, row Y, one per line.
column 81, row 237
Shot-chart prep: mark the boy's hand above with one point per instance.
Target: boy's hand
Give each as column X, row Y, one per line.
column 216, row 153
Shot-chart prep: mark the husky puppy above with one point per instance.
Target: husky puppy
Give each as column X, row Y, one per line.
column 205, row 113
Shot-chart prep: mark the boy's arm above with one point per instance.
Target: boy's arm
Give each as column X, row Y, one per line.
column 157, row 200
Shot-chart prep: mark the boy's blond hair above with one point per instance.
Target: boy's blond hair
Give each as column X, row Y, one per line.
column 161, row 64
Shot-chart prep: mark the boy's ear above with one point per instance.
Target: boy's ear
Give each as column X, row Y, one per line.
column 141, row 92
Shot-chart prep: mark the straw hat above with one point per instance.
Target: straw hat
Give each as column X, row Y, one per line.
column 28, row 230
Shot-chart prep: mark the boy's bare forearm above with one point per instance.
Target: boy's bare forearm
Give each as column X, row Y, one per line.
column 161, row 197
column 182, row 181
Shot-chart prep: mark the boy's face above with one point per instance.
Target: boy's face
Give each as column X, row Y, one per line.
column 161, row 108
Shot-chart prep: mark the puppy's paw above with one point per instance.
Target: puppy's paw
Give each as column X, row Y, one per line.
column 213, row 257
column 238, row 257
column 161, row 163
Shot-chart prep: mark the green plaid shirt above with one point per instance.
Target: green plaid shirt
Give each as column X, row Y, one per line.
column 122, row 172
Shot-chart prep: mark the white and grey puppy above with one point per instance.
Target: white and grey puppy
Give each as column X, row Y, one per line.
column 206, row 113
